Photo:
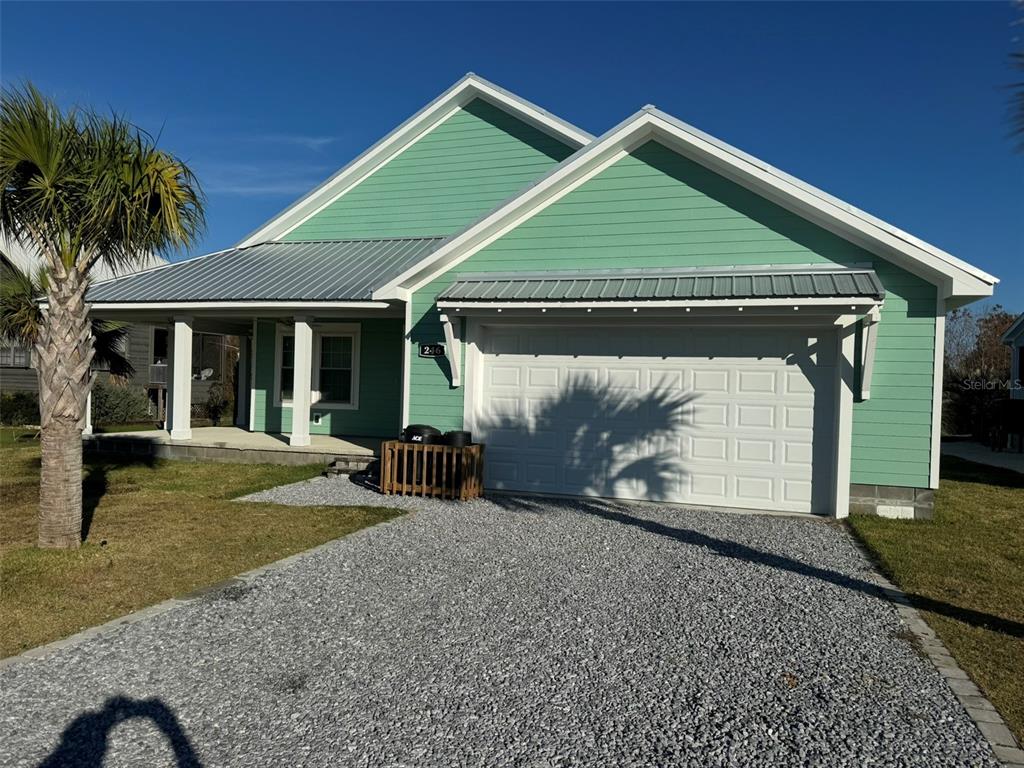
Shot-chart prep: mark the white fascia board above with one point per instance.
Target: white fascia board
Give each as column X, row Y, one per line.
column 953, row 276
column 433, row 114
column 1014, row 330
column 850, row 304
column 820, row 207
column 228, row 306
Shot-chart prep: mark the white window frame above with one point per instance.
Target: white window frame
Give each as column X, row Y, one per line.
column 351, row 330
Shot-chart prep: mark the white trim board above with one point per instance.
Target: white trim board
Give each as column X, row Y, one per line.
column 230, row 305
column 840, row 304
column 953, row 276
column 938, row 358
column 467, row 89
column 1014, row 330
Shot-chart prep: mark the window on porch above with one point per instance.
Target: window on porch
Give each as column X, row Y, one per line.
column 335, row 374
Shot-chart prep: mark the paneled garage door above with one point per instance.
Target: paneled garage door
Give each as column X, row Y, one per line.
column 737, row 417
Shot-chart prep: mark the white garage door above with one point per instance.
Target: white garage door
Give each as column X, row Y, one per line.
column 739, row 417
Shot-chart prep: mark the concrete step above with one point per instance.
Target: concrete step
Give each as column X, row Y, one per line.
column 349, row 465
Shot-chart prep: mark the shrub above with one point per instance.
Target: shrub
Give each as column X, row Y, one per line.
column 216, row 403
column 117, row 404
column 19, row 408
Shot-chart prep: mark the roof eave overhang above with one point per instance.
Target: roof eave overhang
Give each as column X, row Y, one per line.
column 467, row 89
column 231, row 306
column 813, row 304
column 1014, row 331
column 955, row 278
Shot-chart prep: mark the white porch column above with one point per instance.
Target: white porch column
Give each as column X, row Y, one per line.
column 845, row 385
column 87, row 429
column 242, row 384
column 180, row 379
column 302, row 383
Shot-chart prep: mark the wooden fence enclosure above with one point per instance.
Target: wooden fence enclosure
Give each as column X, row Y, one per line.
column 440, row 471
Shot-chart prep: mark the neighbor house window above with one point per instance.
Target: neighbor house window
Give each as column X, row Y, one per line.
column 14, row 357
column 159, row 347
column 335, row 380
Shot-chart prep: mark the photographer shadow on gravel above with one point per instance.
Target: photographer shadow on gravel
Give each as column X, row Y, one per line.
column 85, row 741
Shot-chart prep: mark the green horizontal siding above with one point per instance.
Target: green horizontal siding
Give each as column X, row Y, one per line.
column 655, row 208
column 458, row 171
column 380, row 384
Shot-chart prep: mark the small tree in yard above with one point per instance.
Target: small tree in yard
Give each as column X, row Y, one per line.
column 977, row 370
column 77, row 188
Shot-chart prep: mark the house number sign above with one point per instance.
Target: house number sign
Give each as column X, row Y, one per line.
column 431, row 350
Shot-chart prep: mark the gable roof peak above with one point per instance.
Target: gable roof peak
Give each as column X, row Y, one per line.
column 955, row 277
column 469, row 87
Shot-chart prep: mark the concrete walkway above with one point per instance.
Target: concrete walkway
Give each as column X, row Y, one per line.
column 983, row 455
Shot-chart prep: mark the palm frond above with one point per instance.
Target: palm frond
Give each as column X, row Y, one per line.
column 78, row 187
column 21, row 318
column 110, row 341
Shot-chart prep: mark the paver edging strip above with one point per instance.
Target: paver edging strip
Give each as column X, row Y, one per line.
column 983, row 714
column 48, row 649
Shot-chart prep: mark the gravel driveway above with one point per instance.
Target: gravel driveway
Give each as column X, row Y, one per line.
column 512, row 632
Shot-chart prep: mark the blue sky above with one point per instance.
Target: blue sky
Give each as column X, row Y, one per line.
column 900, row 109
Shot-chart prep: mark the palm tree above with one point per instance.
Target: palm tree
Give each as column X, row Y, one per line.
column 21, row 318
column 79, row 188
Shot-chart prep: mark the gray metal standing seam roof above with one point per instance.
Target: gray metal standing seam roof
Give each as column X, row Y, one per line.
column 666, row 285
column 337, row 270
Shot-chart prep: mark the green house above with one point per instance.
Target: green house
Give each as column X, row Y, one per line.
column 647, row 314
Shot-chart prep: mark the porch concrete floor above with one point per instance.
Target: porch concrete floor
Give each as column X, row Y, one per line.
column 241, row 439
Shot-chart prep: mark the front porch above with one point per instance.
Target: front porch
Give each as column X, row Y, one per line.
column 237, row 445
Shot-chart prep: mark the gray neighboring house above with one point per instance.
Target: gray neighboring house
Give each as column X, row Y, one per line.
column 146, row 347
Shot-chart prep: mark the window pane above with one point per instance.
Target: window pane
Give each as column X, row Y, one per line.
column 209, row 359
column 6, row 355
column 159, row 346
column 336, row 385
column 287, row 367
column 287, row 382
column 336, row 352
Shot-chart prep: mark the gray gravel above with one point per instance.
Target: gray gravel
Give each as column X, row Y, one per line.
column 512, row 632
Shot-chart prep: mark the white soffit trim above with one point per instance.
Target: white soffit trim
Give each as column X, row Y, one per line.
column 227, row 306
column 1014, row 330
column 954, row 276
column 848, row 303
column 469, row 87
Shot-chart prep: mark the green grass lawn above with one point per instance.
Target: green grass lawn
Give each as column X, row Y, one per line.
column 965, row 570
column 155, row 529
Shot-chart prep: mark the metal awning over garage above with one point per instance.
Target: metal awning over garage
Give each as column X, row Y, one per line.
column 753, row 286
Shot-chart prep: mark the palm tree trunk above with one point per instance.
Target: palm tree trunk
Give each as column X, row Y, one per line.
column 64, row 352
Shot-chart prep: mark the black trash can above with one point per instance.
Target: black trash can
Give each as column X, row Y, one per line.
column 421, row 433
column 459, row 438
